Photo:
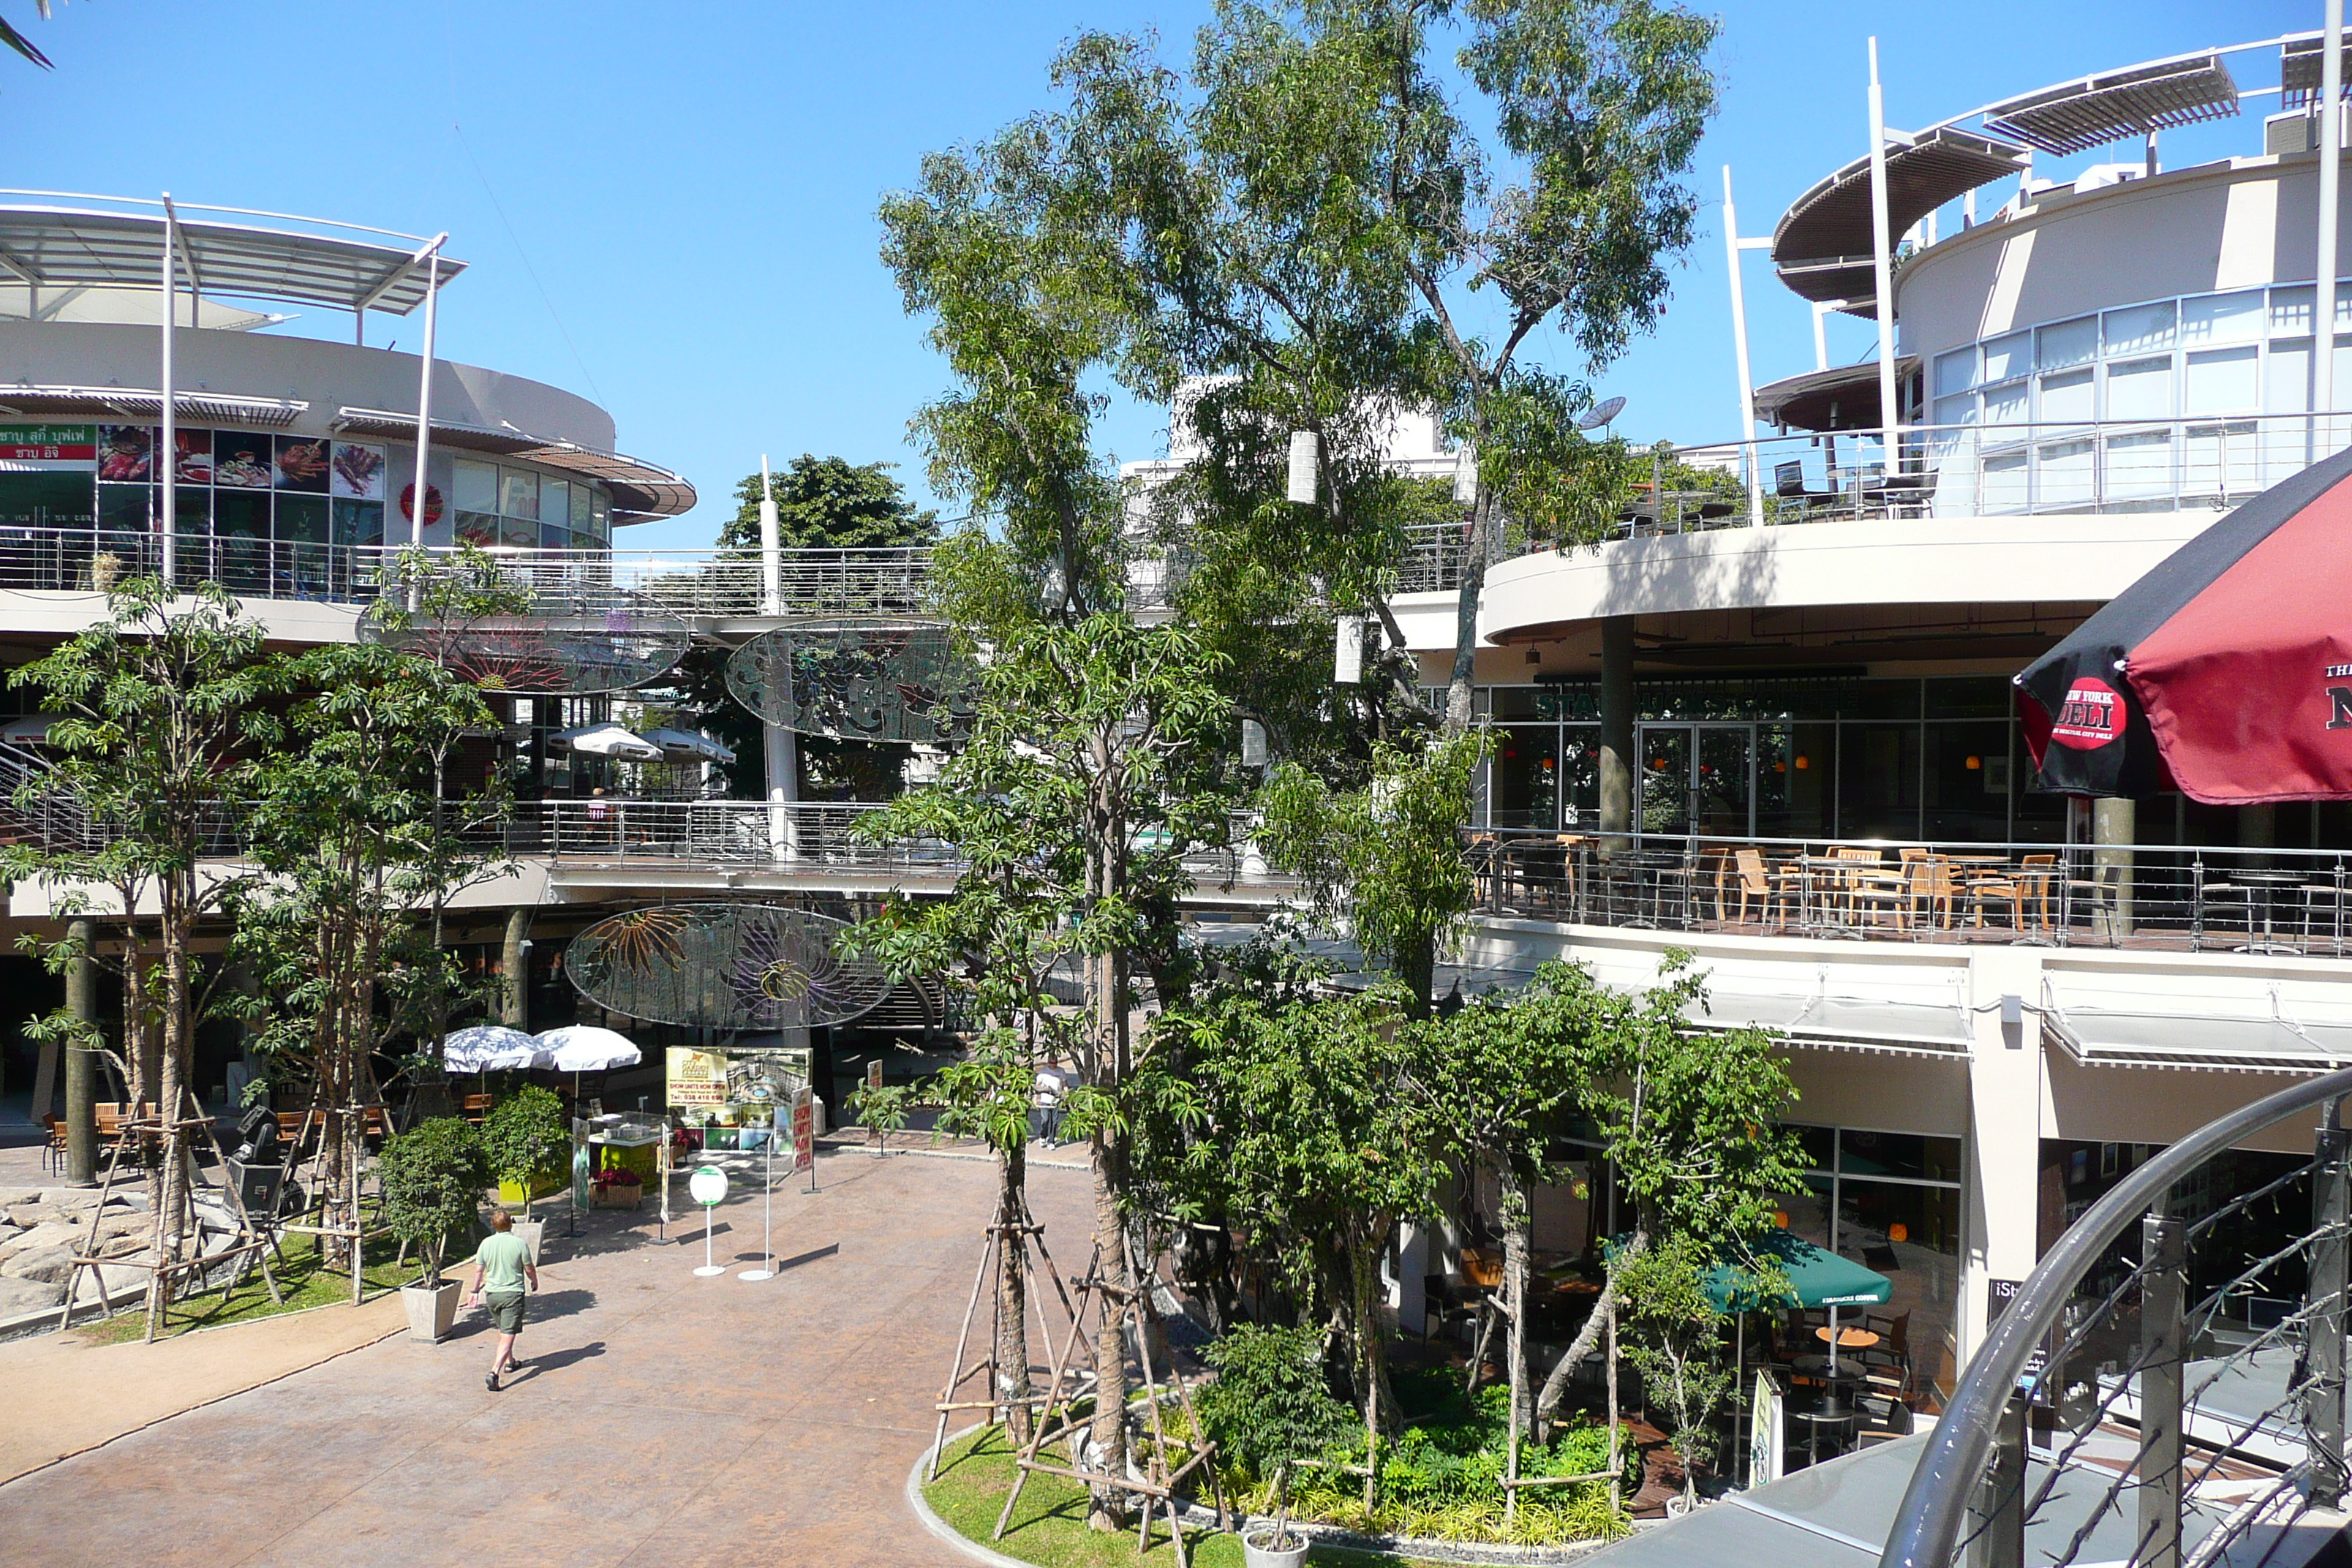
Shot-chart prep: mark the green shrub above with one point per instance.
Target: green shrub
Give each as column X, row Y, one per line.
column 434, row 1174
column 1269, row 1401
column 526, row 1135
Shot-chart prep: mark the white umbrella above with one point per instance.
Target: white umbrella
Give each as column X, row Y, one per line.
column 582, row 1047
column 492, row 1047
column 608, row 740
column 685, row 745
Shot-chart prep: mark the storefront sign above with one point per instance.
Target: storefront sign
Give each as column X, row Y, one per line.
column 697, row 1079
column 1767, row 1433
column 803, row 1132
column 49, row 446
column 874, row 1076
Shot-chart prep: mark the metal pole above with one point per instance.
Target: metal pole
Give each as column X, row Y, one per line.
column 2164, row 1287
column 1881, row 270
column 81, row 1061
column 1997, row 1517
column 165, row 457
column 425, row 398
column 1739, row 348
column 771, row 561
column 2331, row 137
column 2323, row 1399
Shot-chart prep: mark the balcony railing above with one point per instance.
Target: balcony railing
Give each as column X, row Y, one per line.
column 2128, row 1404
column 2186, row 897
column 692, row 584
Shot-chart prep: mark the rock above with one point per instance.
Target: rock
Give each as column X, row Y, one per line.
column 51, row 1233
column 12, row 1197
column 113, row 1246
column 122, row 1284
column 21, row 1296
column 49, row 1264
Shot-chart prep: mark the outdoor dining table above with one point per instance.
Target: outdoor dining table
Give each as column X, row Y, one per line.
column 1847, row 1339
column 1842, row 876
column 2267, row 883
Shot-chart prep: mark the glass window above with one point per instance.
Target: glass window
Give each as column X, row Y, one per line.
column 2286, row 380
column 2004, row 484
column 359, row 522
column 359, row 472
column 301, row 464
column 1526, row 777
column 2064, row 475
column 129, row 507
column 1960, row 410
column 302, row 519
column 555, row 502
column 601, row 514
column 2343, row 305
column 2068, row 342
column 1866, row 1154
column 580, row 516
column 519, row 495
column 2139, row 466
column 1878, row 781
column 2291, row 308
column 2222, row 380
column 46, row 500
column 241, row 516
column 241, row 459
column 2222, row 319
column 476, row 485
column 2067, row 397
column 2005, row 357
column 2140, row 388
column 1956, row 370
column 2006, row 405
column 478, row 528
column 2139, row 328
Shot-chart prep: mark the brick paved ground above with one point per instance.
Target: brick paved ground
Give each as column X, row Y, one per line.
column 663, row 1419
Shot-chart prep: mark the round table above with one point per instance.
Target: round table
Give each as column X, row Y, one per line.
column 1828, row 1415
column 2267, row 882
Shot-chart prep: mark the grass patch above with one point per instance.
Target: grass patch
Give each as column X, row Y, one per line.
column 304, row 1282
column 1049, row 1528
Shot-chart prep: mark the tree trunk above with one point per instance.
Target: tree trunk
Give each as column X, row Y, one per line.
column 1461, row 683
column 1012, row 1294
column 1365, row 1271
column 1108, row 1509
column 171, row 1089
column 1556, row 1386
column 1516, row 1265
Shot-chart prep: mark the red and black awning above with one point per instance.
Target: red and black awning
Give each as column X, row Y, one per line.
column 2225, row 672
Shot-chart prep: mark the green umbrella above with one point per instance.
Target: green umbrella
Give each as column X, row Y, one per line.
column 1815, row 1278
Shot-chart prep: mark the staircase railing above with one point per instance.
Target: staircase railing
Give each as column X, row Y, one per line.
column 2158, row 1434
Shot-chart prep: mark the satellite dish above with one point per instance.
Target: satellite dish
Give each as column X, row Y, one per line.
column 1602, row 415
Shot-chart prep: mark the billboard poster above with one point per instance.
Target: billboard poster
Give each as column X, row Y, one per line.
column 358, row 473
column 126, row 453
column 73, row 448
column 697, row 1079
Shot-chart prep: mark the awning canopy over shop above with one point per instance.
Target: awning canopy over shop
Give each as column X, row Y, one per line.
column 1816, row 1278
column 1854, row 1023
column 2118, row 1037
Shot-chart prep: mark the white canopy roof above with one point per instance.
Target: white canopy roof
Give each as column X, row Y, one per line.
column 685, row 745
column 608, row 740
column 584, row 1047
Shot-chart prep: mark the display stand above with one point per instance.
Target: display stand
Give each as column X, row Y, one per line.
column 767, row 1269
column 707, row 1186
column 1012, row 1227
column 1134, row 1313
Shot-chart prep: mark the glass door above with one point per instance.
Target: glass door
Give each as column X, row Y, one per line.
column 1704, row 768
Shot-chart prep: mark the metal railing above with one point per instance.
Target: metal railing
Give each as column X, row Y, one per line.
column 2189, row 897
column 2121, row 1409
column 691, row 584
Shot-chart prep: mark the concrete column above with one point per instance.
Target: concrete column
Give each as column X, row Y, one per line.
column 2115, row 822
column 514, row 1009
column 82, row 1064
column 2004, row 1152
column 1616, row 726
column 2258, row 829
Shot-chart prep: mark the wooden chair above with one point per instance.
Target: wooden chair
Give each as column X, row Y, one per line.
column 1932, row 890
column 1754, row 883
column 53, row 1152
column 2028, row 886
column 1864, row 887
column 476, row 1107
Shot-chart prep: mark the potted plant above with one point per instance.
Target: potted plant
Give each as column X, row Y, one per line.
column 526, row 1140
column 105, row 567
column 434, row 1174
column 881, row 1111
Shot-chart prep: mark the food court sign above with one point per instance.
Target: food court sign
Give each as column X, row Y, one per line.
column 49, row 446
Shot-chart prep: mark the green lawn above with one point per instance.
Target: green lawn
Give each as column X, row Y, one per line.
column 1049, row 1528
column 300, row 1278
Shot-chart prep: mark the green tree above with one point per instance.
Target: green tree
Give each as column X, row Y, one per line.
column 1386, row 858
column 1674, row 1339
column 434, row 1174
column 353, row 840
column 154, row 698
column 1690, row 1120
column 525, row 1138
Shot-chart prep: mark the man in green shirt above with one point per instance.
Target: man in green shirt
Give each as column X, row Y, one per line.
column 501, row 1265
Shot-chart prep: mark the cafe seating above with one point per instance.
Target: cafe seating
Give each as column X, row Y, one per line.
column 1758, row 886
column 53, row 1151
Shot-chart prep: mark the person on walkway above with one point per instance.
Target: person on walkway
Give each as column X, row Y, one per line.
column 501, row 1267
column 1048, row 1100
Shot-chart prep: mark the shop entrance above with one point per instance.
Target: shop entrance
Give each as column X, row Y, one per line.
column 1706, row 768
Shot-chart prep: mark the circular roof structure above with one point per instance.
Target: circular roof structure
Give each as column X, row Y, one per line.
column 743, row 967
column 577, row 639
column 858, row 679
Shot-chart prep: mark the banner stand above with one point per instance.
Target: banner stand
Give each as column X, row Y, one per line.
column 767, row 1269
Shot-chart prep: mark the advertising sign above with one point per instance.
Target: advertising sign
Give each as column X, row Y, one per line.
column 1767, row 1433
column 874, row 1076
column 697, row 1079
column 803, row 1132
column 707, row 1186
column 49, row 446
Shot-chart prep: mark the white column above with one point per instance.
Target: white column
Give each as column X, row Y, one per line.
column 2004, row 1154
column 424, row 392
column 1740, row 350
column 2331, row 152
column 1882, row 269
column 771, row 558
column 165, row 460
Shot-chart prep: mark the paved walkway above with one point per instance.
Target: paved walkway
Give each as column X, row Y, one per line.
column 662, row 1418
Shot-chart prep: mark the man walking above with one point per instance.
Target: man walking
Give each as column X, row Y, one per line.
column 501, row 1265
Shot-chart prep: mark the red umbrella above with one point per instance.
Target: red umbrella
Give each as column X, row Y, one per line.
column 2225, row 672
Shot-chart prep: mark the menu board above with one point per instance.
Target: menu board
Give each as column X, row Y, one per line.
column 49, row 446
column 697, row 1079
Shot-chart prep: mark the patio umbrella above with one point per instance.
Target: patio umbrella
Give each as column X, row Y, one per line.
column 1816, row 1278
column 608, row 740
column 582, row 1047
column 492, row 1047
column 689, row 746
column 2226, row 671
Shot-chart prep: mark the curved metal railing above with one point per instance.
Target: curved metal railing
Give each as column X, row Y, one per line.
column 1974, row 1491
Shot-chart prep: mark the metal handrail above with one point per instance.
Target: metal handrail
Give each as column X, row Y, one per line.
column 1936, row 1505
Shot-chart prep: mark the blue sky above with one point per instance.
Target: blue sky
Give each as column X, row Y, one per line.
column 670, row 208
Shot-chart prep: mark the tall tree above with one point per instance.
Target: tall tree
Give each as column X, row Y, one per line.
column 154, row 698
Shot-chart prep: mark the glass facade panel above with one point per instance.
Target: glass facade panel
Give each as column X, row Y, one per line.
column 2006, row 358
column 1961, row 410
column 2009, row 403
column 2291, row 309
column 582, row 517
column 359, row 522
column 2139, row 466
column 2223, row 380
column 2007, row 484
column 2066, row 344
column 2067, row 398
column 1878, row 781
column 519, row 495
column 1665, row 779
column 1725, row 757
column 2062, row 473
column 2286, row 381
column 477, row 486
column 555, row 502
column 1955, row 371
column 2140, row 389
column 2222, row 319
column 1525, row 778
column 38, row 500
column 1580, row 775
column 2139, row 328
column 1967, row 781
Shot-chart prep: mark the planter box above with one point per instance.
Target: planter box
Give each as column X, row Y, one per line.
column 616, row 1196
column 432, row 1310
column 544, row 1184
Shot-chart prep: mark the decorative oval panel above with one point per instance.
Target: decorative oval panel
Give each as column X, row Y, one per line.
column 857, row 681
column 744, row 967
column 578, row 639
